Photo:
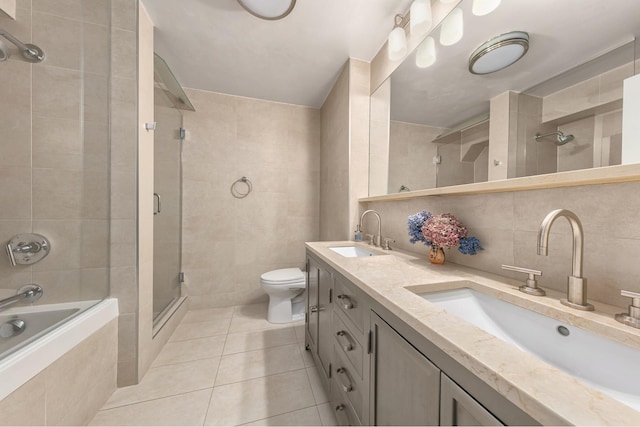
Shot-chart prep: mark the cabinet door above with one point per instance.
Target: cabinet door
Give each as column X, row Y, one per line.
column 405, row 386
column 313, row 276
column 458, row 408
column 325, row 313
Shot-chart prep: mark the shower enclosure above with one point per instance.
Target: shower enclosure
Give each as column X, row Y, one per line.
column 167, row 223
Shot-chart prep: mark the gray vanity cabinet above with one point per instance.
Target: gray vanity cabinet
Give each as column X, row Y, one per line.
column 458, row 408
column 404, row 385
column 318, row 327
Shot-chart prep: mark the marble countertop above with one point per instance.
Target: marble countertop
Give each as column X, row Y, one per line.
column 547, row 394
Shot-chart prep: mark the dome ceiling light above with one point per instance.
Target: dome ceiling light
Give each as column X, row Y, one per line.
column 499, row 52
column 270, row 10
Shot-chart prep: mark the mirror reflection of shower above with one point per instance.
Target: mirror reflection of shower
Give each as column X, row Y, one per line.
column 560, row 140
column 30, row 52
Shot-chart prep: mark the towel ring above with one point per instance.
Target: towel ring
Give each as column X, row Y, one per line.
column 239, row 194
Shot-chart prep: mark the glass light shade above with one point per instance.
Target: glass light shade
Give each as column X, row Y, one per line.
column 499, row 52
column 420, row 16
column 268, row 9
column 484, row 7
column 452, row 28
column 447, row 1
column 426, row 53
column 397, row 44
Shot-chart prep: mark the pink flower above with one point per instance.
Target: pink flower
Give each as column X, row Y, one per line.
column 444, row 230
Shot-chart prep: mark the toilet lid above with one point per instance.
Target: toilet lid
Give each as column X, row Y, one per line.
column 284, row 275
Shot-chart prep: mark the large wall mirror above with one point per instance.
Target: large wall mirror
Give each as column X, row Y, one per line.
column 441, row 125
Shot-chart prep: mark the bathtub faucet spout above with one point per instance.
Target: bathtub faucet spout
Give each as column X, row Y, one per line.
column 30, row 293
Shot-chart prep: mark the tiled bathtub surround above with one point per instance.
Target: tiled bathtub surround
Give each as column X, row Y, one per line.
column 226, row 366
column 507, row 225
column 228, row 243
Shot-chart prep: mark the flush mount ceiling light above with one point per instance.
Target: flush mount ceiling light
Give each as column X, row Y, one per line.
column 268, row 9
column 499, row 52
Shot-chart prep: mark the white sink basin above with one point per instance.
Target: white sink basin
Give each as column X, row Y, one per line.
column 606, row 365
column 352, row 251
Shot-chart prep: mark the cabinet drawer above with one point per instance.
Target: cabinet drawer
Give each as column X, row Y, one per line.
column 347, row 381
column 351, row 301
column 343, row 410
column 346, row 342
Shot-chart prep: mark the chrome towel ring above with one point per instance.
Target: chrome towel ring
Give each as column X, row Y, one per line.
column 235, row 192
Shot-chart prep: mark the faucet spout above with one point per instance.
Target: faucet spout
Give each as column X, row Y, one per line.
column 576, row 284
column 377, row 238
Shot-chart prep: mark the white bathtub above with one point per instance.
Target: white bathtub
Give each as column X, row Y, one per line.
column 51, row 330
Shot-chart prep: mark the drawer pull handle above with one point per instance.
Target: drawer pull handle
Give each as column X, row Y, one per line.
column 340, row 408
column 346, row 385
column 346, row 346
column 345, row 302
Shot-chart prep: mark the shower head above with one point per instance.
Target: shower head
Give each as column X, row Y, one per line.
column 561, row 137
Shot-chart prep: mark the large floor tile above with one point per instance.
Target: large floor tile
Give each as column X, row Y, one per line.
column 259, row 363
column 316, row 386
column 247, row 318
column 247, row 341
column 259, row 398
column 208, row 315
column 192, row 330
column 187, row 409
column 186, row 351
column 302, row 417
column 300, row 331
column 167, row 381
column 327, row 415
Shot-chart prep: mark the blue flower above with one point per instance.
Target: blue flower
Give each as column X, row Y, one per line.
column 415, row 223
column 469, row 245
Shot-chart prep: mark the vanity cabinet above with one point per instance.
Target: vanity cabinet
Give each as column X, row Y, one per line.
column 380, row 371
column 318, row 328
column 458, row 408
column 405, row 385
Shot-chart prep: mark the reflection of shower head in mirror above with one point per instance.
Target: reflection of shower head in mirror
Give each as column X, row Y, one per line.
column 561, row 137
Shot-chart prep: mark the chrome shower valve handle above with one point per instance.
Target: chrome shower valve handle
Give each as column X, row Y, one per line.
column 27, row 249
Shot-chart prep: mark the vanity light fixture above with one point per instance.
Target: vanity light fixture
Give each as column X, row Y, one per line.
column 447, row 1
column 452, row 28
column 426, row 53
column 397, row 43
column 420, row 16
column 499, row 52
column 270, row 10
column 484, row 7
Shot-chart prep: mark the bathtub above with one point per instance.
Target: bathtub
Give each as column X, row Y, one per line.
column 50, row 331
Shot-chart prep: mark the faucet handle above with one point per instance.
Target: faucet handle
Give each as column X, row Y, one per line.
column 385, row 245
column 531, row 286
column 370, row 237
column 632, row 318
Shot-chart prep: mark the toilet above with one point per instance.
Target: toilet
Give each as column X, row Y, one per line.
column 285, row 288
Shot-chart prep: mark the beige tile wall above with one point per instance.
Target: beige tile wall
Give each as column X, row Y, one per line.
column 228, row 243
column 507, row 224
column 410, row 156
column 124, row 140
column 72, row 389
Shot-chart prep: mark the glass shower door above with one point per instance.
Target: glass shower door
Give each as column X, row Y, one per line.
column 167, row 204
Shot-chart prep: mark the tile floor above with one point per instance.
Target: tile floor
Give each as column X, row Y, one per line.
column 226, row 366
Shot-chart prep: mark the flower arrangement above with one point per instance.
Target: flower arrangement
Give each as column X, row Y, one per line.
column 441, row 231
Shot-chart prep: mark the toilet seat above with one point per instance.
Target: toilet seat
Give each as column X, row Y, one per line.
column 283, row 276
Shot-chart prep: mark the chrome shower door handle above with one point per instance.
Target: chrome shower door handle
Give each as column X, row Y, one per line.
column 157, row 196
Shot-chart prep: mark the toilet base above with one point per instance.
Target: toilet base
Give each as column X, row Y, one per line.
column 284, row 310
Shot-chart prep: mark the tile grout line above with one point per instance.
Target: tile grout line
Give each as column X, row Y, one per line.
column 153, row 399
column 283, row 413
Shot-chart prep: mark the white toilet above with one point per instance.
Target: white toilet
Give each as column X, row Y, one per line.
column 285, row 288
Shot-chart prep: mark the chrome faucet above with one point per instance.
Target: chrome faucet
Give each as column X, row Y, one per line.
column 576, row 284
column 377, row 239
column 30, row 293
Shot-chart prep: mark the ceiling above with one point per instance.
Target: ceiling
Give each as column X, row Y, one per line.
column 563, row 34
column 215, row 45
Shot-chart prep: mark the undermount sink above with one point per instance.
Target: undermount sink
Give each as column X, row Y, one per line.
column 604, row 364
column 352, row 251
